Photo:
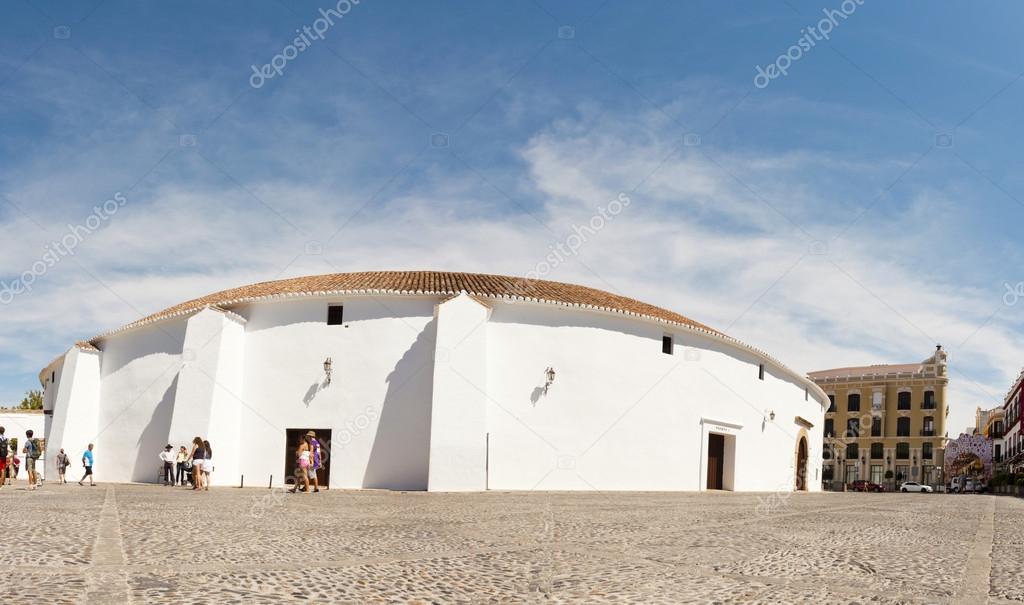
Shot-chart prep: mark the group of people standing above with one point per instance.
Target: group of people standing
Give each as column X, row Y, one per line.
column 309, row 459
column 192, row 467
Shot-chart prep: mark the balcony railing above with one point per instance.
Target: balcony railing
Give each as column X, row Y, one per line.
column 927, row 432
column 928, row 405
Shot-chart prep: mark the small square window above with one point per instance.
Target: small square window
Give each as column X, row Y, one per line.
column 760, row 371
column 666, row 345
column 335, row 315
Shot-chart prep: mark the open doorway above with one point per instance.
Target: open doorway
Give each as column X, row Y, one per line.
column 721, row 456
column 292, row 437
column 801, row 465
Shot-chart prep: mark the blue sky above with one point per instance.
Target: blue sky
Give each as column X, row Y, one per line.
column 857, row 210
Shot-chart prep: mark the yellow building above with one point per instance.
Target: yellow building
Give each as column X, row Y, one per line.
column 885, row 418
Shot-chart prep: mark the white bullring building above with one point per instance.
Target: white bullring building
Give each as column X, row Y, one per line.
column 442, row 382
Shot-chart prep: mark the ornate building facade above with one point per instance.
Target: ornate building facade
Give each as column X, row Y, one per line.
column 885, row 419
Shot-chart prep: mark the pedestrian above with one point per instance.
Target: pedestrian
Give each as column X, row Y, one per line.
column 180, row 462
column 87, row 461
column 302, row 462
column 4, row 452
column 207, row 464
column 32, row 450
column 63, row 462
column 317, row 461
column 167, row 457
column 196, row 457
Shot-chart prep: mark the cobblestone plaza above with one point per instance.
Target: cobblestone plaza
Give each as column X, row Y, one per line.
column 151, row 544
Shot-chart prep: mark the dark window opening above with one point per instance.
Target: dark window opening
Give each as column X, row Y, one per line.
column 830, row 428
column 902, row 451
column 831, row 403
column 877, row 451
column 666, row 345
column 903, row 400
column 903, row 427
column 876, row 427
column 926, row 451
column 851, row 451
column 853, row 402
column 760, row 371
column 335, row 315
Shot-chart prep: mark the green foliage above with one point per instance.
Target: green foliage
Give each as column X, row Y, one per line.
column 888, row 474
column 33, row 401
column 1020, row 481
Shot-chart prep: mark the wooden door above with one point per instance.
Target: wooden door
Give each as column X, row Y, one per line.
column 716, row 460
column 801, row 466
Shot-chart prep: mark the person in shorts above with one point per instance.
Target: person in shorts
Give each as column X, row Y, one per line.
column 63, row 462
column 32, row 451
column 87, row 460
column 196, row 457
column 5, row 447
column 317, row 460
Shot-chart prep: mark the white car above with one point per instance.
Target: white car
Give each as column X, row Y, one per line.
column 913, row 486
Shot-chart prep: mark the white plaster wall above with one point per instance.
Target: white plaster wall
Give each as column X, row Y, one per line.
column 378, row 404
column 139, row 377
column 458, row 427
column 76, row 407
column 622, row 415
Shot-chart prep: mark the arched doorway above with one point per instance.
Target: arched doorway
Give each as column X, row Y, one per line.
column 801, row 464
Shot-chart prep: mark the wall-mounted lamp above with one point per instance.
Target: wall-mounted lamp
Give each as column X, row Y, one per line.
column 549, row 378
column 327, row 369
column 771, row 415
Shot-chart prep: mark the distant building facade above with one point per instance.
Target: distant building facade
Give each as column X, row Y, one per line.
column 885, row 418
column 991, row 425
column 1013, row 422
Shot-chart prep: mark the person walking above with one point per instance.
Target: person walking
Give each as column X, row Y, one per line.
column 32, row 450
column 180, row 462
column 196, row 457
column 167, row 457
column 302, row 461
column 207, row 465
column 5, row 447
column 317, row 460
column 87, row 461
column 63, row 462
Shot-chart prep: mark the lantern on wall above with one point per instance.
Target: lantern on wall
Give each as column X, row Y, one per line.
column 327, row 369
column 549, row 378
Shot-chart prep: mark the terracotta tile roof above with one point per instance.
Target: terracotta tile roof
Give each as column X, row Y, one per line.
column 426, row 283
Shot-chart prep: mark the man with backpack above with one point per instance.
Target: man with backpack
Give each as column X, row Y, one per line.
column 4, row 451
column 32, row 450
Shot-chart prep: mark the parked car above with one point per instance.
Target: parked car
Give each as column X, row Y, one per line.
column 975, row 486
column 862, row 485
column 913, row 486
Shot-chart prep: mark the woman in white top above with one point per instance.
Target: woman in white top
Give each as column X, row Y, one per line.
column 302, row 454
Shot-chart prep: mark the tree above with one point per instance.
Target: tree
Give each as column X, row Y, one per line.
column 33, row 401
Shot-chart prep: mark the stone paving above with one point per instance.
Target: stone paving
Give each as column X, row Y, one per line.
column 151, row 544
